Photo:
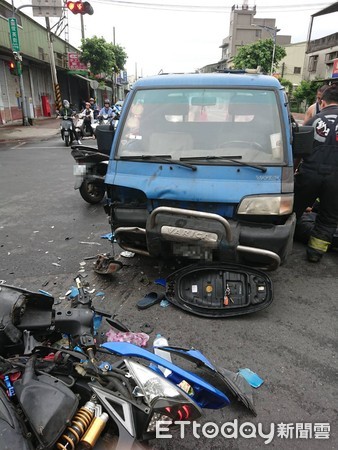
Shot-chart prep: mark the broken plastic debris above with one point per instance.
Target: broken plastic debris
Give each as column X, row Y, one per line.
column 139, row 339
column 45, row 293
column 83, row 263
column 107, row 236
column 160, row 281
column 56, row 264
column 89, row 243
column 127, row 254
column 100, row 294
column 73, row 292
column 251, row 377
column 97, row 322
column 164, row 303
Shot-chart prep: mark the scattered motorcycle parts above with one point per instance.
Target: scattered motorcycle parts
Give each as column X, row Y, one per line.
column 89, row 390
column 219, row 289
column 105, row 265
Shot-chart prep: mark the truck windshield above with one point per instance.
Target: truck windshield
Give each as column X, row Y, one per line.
column 188, row 123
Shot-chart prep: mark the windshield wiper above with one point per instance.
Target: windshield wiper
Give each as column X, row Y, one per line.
column 160, row 158
column 235, row 159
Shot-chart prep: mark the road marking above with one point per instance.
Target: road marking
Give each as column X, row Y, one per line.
column 19, row 145
column 35, row 148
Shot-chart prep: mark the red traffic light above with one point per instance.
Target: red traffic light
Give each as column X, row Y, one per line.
column 80, row 7
column 12, row 68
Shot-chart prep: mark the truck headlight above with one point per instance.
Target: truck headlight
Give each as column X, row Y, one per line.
column 265, row 205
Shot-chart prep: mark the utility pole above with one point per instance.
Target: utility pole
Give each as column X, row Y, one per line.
column 82, row 27
column 114, row 75
column 56, row 87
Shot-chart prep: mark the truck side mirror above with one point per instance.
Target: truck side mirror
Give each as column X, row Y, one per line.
column 302, row 140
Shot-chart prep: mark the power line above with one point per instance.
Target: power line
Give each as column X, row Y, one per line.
column 212, row 8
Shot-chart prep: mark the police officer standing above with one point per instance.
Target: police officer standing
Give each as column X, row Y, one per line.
column 317, row 176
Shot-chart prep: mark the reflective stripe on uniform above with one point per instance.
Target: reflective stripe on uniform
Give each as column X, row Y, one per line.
column 318, row 244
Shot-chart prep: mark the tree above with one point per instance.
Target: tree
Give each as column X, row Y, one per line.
column 120, row 58
column 102, row 56
column 287, row 85
column 306, row 91
column 259, row 54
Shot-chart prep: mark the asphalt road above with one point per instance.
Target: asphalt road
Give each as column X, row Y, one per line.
column 46, row 231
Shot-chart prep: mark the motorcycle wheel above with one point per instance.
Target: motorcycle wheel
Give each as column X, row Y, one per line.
column 67, row 141
column 92, row 192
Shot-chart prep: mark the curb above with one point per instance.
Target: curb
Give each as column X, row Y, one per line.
column 28, row 138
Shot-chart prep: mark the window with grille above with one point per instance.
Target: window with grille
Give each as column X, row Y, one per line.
column 313, row 63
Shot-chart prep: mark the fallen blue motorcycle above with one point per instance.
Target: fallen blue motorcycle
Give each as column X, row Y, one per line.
column 61, row 388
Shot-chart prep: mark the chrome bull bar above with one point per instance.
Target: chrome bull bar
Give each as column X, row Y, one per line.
column 133, row 230
column 199, row 235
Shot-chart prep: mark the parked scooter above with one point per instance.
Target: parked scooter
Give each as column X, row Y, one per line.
column 90, row 396
column 91, row 165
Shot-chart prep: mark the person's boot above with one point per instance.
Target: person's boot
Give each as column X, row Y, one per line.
column 313, row 256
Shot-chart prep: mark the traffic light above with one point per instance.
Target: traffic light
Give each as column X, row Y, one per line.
column 13, row 68
column 80, row 7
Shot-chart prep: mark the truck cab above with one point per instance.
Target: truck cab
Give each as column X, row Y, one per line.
column 201, row 167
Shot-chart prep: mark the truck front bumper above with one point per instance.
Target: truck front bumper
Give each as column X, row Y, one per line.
column 206, row 236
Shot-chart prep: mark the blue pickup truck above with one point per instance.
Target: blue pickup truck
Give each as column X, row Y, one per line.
column 201, row 167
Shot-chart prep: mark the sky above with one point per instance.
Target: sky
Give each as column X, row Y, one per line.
column 184, row 35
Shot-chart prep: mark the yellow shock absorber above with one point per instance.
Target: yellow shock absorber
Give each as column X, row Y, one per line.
column 77, row 428
column 93, row 432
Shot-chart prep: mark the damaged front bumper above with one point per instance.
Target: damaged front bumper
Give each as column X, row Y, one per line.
column 207, row 236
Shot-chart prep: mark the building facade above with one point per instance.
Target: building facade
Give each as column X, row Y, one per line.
column 39, row 96
column 320, row 57
column 245, row 29
column 291, row 67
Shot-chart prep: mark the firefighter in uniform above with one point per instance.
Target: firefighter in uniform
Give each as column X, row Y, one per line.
column 317, row 176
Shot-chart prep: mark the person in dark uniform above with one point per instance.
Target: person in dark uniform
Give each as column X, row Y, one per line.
column 317, row 176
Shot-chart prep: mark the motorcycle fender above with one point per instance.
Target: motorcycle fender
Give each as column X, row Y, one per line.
column 207, row 396
column 227, row 381
column 78, row 182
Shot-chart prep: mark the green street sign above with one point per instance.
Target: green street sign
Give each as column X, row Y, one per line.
column 14, row 35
